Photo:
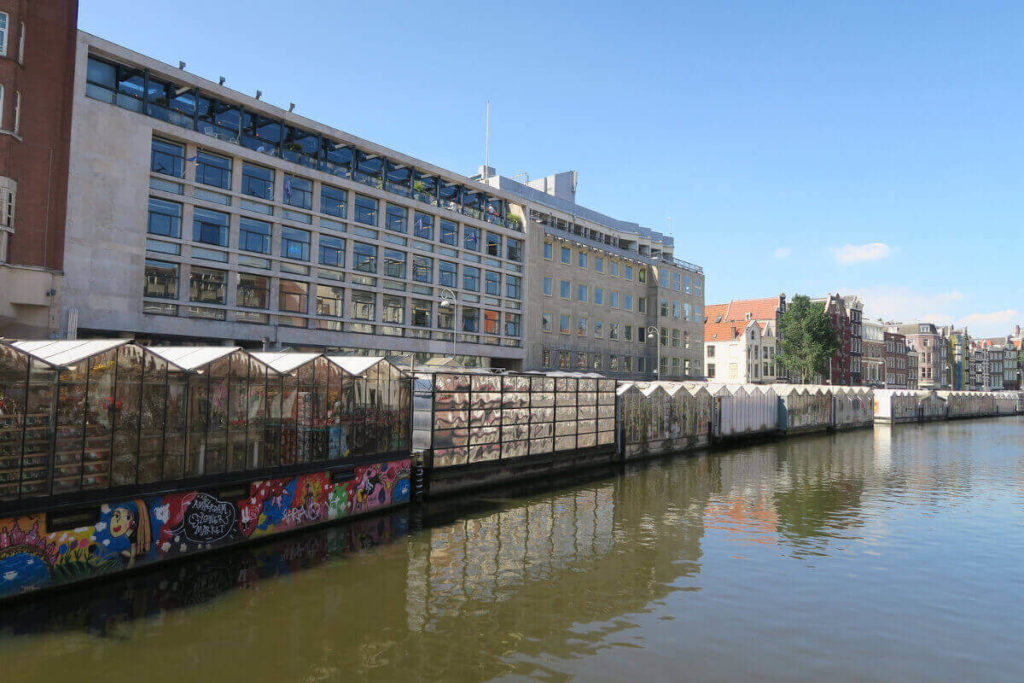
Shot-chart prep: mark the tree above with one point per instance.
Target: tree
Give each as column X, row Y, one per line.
column 808, row 341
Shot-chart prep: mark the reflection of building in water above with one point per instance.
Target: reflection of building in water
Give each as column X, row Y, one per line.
column 882, row 453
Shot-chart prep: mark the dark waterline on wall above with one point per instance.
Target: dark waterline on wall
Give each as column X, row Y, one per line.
column 882, row 554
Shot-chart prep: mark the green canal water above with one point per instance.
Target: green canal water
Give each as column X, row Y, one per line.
column 886, row 554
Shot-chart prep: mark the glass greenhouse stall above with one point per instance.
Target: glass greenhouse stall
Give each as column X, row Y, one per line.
column 481, row 417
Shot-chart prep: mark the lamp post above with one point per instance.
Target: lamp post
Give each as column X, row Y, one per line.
column 448, row 298
column 655, row 334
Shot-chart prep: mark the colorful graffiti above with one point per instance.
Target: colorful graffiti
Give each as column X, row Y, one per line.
column 146, row 530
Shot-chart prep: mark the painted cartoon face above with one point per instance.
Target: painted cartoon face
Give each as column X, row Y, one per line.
column 120, row 522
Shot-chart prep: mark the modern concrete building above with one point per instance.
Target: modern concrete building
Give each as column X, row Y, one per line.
column 37, row 58
column 741, row 352
column 604, row 294
column 199, row 213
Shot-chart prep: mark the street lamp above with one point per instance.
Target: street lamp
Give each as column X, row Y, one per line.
column 655, row 334
column 448, row 298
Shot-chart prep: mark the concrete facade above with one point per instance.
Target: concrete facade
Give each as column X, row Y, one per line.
column 600, row 291
column 391, row 303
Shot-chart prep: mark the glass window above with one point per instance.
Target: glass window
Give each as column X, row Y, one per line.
column 213, row 169
column 513, row 287
column 675, row 338
column 675, row 281
column 493, row 245
column 470, row 320
column 300, row 147
column 209, row 227
column 513, row 325
column 333, row 201
column 298, row 192
column 664, row 306
column 471, row 278
column 599, row 264
column 364, row 305
column 164, row 218
column 364, row 257
column 394, row 263
column 253, row 235
column 641, row 304
column 687, row 283
column 449, row 232
column 547, row 250
column 295, row 243
column 395, row 218
column 627, row 333
column 545, row 322
column 167, row 158
column 253, row 291
column 161, row 279
column 492, row 322
column 422, row 268
column 566, row 255
column 393, row 309
column 564, row 289
column 581, row 327
column 663, row 279
column 641, row 275
column 598, row 329
column 629, row 272
column 613, row 330
column 423, row 226
column 218, row 119
column 613, row 268
column 581, row 292
column 547, row 286
column 366, row 210
column 513, row 249
column 447, row 275
column 208, row 286
column 583, row 259
column 330, row 302
column 492, row 283
column 613, row 299
column 598, row 296
column 293, row 296
column 445, row 317
column 627, row 302
column 422, row 311
column 675, row 309
column 261, row 133
column 332, row 251
column 471, row 238
column 563, row 324
column 257, row 181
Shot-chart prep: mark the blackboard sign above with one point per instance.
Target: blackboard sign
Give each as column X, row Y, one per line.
column 208, row 520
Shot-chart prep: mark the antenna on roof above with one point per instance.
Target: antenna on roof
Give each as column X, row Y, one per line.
column 487, row 141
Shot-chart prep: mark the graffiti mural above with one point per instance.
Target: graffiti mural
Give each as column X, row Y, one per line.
column 148, row 529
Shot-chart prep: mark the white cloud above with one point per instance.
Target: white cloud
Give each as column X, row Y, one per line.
column 782, row 252
column 858, row 253
column 995, row 324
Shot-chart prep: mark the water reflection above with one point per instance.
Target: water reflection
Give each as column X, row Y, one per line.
column 813, row 557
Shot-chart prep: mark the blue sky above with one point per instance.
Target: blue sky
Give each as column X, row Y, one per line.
column 799, row 146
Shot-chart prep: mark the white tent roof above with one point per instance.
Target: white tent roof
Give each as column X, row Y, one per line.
column 283, row 361
column 64, row 352
column 192, row 357
column 355, row 365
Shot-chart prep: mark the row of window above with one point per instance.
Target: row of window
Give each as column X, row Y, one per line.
column 583, row 294
column 591, row 360
column 141, row 91
column 255, row 236
column 757, row 371
column 209, row 286
column 168, row 158
column 684, row 282
column 669, row 337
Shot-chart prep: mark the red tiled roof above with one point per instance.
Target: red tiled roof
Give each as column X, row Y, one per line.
column 735, row 311
column 717, row 332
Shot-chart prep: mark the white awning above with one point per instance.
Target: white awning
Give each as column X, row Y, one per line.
column 64, row 352
column 191, row 357
column 355, row 365
column 283, row 361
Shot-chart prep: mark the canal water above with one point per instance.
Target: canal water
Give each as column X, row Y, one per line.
column 893, row 553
